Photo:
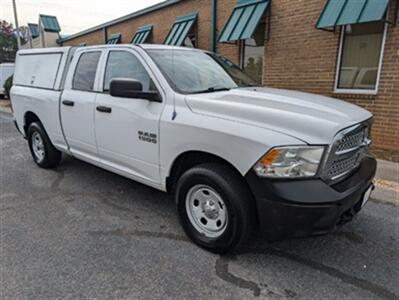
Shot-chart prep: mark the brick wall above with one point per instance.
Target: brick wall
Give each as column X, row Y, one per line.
column 230, row 50
column 162, row 20
column 297, row 55
column 385, row 106
column 93, row 38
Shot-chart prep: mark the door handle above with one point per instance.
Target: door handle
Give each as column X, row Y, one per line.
column 68, row 103
column 104, row 109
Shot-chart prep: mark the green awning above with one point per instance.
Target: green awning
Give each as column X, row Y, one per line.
column 34, row 30
column 114, row 39
column 141, row 34
column 180, row 29
column 345, row 12
column 49, row 23
column 244, row 19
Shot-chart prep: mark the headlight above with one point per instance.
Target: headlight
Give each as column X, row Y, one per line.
column 283, row 162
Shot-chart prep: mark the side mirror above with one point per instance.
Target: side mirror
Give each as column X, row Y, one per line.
column 130, row 88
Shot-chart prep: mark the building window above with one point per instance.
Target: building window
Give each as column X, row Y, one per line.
column 253, row 52
column 360, row 59
column 191, row 39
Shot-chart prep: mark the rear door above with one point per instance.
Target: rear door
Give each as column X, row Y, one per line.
column 127, row 130
column 77, row 104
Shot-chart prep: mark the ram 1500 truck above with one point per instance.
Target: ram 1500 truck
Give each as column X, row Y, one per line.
column 238, row 157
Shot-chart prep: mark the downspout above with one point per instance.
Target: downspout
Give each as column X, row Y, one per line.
column 43, row 39
column 105, row 35
column 213, row 24
column 397, row 13
column 30, row 39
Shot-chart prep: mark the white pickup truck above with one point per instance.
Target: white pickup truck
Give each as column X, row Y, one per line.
column 238, row 157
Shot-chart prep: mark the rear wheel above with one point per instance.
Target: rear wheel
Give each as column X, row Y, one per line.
column 43, row 152
column 215, row 207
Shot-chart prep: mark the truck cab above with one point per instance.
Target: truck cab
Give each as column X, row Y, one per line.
column 237, row 156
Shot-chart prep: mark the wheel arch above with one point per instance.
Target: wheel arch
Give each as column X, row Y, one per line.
column 189, row 159
column 29, row 118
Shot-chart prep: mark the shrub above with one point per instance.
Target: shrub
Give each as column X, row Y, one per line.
column 7, row 86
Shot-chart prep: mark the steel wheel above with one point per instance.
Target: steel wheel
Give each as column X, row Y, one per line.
column 206, row 211
column 38, row 147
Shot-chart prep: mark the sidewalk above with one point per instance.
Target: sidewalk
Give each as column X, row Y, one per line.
column 386, row 182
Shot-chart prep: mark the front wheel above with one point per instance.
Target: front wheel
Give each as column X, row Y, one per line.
column 215, row 207
column 43, row 152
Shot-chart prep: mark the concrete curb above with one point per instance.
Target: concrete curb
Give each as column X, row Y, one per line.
column 387, row 182
column 388, row 170
column 387, row 196
column 5, row 106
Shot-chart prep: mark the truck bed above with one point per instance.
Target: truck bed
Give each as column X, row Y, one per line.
column 41, row 74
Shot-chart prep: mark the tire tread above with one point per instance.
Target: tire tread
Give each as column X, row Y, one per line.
column 53, row 156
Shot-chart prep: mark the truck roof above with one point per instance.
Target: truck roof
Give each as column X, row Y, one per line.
column 143, row 46
column 167, row 47
column 44, row 50
column 67, row 48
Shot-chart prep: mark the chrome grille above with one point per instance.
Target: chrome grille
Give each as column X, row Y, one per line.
column 340, row 167
column 349, row 148
column 351, row 140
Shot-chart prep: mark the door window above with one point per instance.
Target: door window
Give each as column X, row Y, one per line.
column 122, row 64
column 85, row 72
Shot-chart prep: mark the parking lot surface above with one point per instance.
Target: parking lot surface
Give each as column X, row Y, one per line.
column 79, row 232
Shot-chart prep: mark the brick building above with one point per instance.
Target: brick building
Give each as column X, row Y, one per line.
column 347, row 49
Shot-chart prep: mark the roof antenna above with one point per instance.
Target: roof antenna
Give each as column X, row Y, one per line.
column 174, row 114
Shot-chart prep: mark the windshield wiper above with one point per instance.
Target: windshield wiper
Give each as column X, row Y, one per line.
column 213, row 89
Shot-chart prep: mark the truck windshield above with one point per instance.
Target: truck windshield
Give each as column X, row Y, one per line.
column 191, row 72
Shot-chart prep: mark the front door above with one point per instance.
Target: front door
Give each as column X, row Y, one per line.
column 77, row 106
column 127, row 130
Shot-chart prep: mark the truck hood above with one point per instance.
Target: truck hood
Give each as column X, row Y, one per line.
column 311, row 118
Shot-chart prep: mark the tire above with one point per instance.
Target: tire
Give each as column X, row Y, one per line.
column 203, row 222
column 43, row 152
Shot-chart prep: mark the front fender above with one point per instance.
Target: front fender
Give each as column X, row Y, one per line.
column 239, row 144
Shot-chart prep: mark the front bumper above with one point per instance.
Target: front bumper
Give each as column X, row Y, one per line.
column 295, row 208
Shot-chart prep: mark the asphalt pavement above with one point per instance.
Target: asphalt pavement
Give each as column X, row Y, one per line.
column 79, row 232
